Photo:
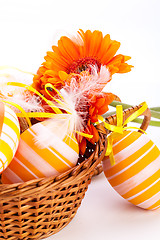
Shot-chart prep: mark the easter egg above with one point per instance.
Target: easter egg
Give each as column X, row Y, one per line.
column 33, row 161
column 136, row 173
column 9, row 135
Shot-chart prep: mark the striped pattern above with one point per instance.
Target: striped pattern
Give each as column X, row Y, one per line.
column 9, row 137
column 32, row 161
column 136, row 174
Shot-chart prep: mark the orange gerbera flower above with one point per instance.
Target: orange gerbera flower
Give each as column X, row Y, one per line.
column 98, row 106
column 79, row 54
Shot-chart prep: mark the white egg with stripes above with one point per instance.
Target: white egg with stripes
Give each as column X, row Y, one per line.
column 9, row 135
column 136, row 173
column 34, row 161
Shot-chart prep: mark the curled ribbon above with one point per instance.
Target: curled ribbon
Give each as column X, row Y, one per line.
column 119, row 129
column 57, row 112
column 14, row 68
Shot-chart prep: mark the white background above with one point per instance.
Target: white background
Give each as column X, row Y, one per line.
column 28, row 28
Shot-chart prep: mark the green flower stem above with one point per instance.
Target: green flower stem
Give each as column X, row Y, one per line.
column 155, row 113
column 107, row 114
column 152, row 123
column 155, row 109
column 115, row 103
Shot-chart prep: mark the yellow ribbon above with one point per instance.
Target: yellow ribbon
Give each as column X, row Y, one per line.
column 59, row 114
column 14, row 68
column 62, row 104
column 23, row 113
column 119, row 129
column 30, row 88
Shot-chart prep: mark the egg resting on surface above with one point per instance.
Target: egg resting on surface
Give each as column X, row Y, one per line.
column 136, row 173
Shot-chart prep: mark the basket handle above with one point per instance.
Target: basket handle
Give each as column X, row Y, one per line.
column 126, row 113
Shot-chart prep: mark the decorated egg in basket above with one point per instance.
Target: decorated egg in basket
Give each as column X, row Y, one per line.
column 136, row 173
column 9, row 135
column 35, row 161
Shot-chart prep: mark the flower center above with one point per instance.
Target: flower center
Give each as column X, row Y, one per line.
column 84, row 64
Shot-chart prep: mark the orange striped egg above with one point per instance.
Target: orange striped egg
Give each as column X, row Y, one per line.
column 31, row 161
column 136, row 174
column 9, row 135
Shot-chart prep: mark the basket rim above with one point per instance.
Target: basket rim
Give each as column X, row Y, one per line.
column 76, row 173
column 72, row 175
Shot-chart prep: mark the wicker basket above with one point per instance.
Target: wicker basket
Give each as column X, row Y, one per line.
column 39, row 208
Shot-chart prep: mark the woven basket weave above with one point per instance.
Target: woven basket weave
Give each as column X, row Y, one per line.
column 39, row 208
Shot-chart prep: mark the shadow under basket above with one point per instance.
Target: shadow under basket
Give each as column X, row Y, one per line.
column 41, row 207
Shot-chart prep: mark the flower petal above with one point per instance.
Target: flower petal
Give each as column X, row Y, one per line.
column 111, row 52
column 104, row 46
column 63, row 75
column 50, row 73
column 82, row 146
column 91, row 110
column 124, row 67
column 63, row 51
column 109, row 97
column 87, row 42
column 95, row 43
column 71, row 48
column 95, row 135
column 55, row 58
column 100, row 102
column 103, row 110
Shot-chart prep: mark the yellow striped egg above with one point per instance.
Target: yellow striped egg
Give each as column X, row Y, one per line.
column 136, row 173
column 31, row 161
column 9, row 135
